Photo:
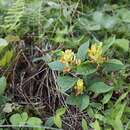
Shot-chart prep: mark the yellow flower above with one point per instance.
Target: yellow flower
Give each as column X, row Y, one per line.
column 69, row 59
column 67, row 56
column 95, row 53
column 79, row 87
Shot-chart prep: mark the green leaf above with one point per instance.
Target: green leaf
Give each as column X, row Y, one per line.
column 60, row 111
column 115, row 116
column 123, row 44
column 24, row 116
column 117, row 124
column 82, row 51
column 93, row 27
column 3, row 84
column 85, row 69
column 96, row 125
column 100, row 87
column 108, row 43
column 118, row 111
column 3, row 43
column 19, row 119
column 5, row 52
column 66, row 82
column 3, row 99
column 124, row 16
column 100, row 117
column 50, row 121
column 109, row 22
column 58, row 121
column 98, row 17
column 113, row 65
column 47, row 58
column 81, row 101
column 6, row 58
column 107, row 97
column 84, row 124
column 16, row 119
column 124, row 95
column 33, row 121
column 56, row 65
column 84, row 102
column 8, row 108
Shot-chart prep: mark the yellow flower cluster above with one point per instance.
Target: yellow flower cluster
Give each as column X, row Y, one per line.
column 79, row 87
column 95, row 53
column 68, row 58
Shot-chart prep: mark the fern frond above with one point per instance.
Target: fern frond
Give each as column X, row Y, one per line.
column 13, row 18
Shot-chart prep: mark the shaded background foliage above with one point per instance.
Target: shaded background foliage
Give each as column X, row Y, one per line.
column 45, row 25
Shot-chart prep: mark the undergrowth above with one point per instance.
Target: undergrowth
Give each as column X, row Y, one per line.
column 64, row 64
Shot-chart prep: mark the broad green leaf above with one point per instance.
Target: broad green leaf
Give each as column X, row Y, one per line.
column 100, row 117
column 85, row 69
column 56, row 65
column 107, row 97
column 109, row 22
column 3, row 84
column 5, row 53
column 60, row 111
column 90, row 111
column 89, row 25
column 19, row 119
column 84, row 124
column 50, row 121
column 117, row 124
column 81, row 101
column 96, row 125
column 33, row 121
column 118, row 111
column 114, row 116
column 100, row 87
column 117, row 115
column 84, row 102
column 58, row 121
column 108, row 43
column 96, row 105
column 98, row 17
column 124, row 16
column 16, row 119
column 6, row 58
column 82, row 51
column 123, row 44
column 66, row 82
column 24, row 116
column 74, row 100
column 113, row 65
